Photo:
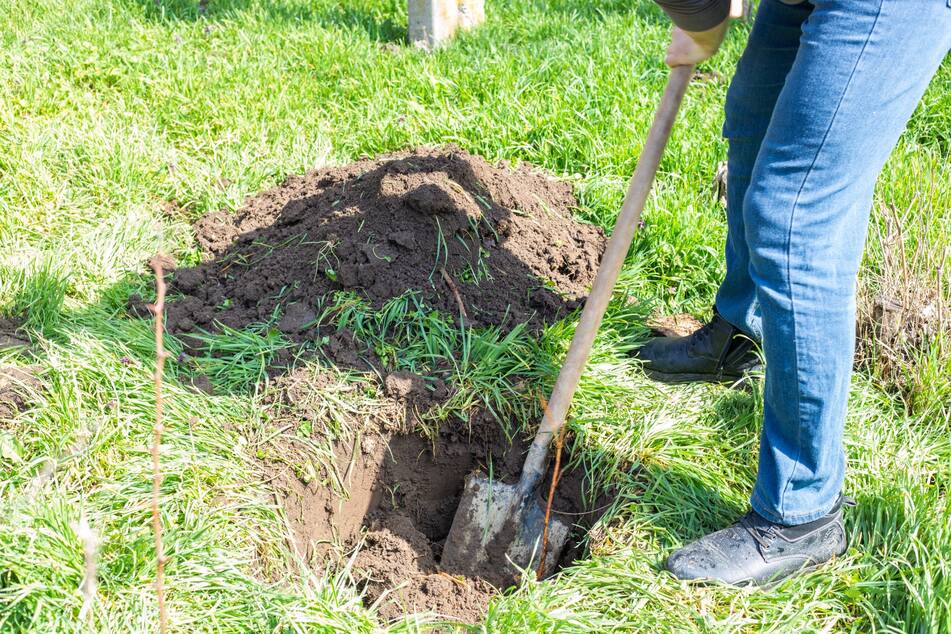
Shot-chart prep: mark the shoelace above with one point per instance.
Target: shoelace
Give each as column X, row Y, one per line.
column 763, row 538
column 701, row 334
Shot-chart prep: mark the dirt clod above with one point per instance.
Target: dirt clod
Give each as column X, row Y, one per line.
column 18, row 385
column 10, row 336
column 400, row 385
column 296, row 318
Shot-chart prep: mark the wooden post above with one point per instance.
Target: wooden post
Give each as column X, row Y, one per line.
column 432, row 22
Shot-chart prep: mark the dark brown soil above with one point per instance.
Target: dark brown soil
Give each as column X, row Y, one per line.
column 679, row 325
column 10, row 335
column 401, row 494
column 17, row 389
column 429, row 221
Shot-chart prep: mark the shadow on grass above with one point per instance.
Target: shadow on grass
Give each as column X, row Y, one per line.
column 678, row 500
column 380, row 21
column 384, row 23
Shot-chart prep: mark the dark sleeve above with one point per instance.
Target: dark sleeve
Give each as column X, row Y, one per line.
column 696, row 15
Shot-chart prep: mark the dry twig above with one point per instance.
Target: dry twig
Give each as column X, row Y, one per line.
column 157, row 264
column 455, row 291
column 90, row 541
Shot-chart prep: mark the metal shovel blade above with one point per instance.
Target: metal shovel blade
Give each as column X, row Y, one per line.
column 494, row 534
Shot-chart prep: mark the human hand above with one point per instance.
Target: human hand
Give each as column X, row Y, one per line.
column 688, row 48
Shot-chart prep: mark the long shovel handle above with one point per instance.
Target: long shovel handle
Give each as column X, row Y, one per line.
column 614, row 255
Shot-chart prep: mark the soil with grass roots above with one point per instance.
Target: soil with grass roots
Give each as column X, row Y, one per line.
column 390, row 497
column 491, row 245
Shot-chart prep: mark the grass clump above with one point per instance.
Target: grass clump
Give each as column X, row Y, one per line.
column 38, row 294
column 904, row 303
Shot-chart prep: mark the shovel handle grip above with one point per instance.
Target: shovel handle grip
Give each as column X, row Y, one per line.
column 614, row 254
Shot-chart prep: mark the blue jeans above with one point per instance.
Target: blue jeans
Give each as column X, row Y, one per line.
column 819, row 99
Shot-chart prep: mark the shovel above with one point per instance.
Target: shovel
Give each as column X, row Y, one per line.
column 499, row 524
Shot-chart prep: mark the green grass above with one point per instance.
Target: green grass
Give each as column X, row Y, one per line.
column 122, row 121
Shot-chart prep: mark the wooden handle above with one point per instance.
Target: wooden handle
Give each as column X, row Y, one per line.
column 611, row 263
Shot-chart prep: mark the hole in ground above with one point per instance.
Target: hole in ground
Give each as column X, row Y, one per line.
column 401, row 494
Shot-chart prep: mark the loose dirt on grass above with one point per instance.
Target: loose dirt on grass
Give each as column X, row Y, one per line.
column 679, row 325
column 17, row 387
column 10, row 336
column 494, row 242
column 390, row 496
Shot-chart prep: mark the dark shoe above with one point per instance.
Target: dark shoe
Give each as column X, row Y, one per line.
column 717, row 352
column 757, row 552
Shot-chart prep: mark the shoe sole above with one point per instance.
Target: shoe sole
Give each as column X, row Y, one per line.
column 766, row 586
column 722, row 379
column 749, row 584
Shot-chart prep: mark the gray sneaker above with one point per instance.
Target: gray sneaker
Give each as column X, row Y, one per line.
column 757, row 552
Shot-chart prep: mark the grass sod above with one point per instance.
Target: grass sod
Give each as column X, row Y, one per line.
column 124, row 121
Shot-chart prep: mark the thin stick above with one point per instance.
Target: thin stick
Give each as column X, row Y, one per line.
column 158, row 309
column 942, row 335
column 455, row 291
column 555, row 474
column 88, row 538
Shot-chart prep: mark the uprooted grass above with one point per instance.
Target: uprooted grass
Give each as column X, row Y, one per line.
column 123, row 121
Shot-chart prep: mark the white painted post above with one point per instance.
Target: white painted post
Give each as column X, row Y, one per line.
column 471, row 13
column 432, row 22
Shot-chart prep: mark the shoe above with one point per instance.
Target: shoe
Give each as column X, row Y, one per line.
column 757, row 552
column 717, row 352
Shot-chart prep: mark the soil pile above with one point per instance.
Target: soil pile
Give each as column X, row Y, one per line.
column 395, row 499
column 497, row 241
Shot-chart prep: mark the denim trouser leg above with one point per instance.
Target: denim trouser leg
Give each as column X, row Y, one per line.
column 860, row 69
column 759, row 77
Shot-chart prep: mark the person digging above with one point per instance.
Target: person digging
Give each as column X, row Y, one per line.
column 820, row 97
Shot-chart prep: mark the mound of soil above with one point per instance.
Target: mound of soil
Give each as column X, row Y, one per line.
column 495, row 243
column 399, row 496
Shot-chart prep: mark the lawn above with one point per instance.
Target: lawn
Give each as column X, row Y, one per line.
column 124, row 121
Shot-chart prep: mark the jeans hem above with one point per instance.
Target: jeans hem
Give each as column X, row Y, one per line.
column 750, row 336
column 756, row 501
